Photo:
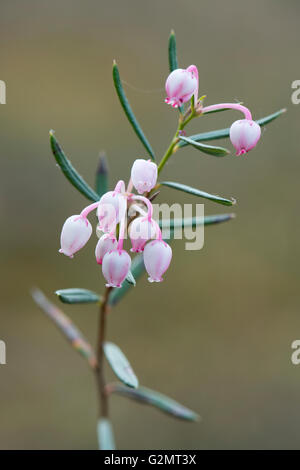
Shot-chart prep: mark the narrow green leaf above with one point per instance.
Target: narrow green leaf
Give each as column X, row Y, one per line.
column 195, row 221
column 120, row 365
column 102, row 176
column 223, row 133
column 66, row 326
column 77, row 296
column 197, row 192
column 106, row 440
column 173, row 64
column 158, row 400
column 69, row 171
column 130, row 279
column 137, row 269
column 128, row 111
column 209, row 149
column 172, row 52
column 214, row 219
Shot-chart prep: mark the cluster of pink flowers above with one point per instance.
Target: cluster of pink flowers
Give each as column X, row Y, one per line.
column 145, row 234
column 112, row 209
column 182, row 85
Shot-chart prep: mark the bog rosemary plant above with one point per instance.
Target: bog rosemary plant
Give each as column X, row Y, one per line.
column 130, row 206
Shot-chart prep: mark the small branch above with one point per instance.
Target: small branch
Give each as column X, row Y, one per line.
column 171, row 147
column 103, row 398
column 66, row 326
column 183, row 121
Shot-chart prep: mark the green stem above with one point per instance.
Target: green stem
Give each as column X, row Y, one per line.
column 172, row 147
column 103, row 399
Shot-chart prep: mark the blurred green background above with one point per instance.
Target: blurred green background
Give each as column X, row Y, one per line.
column 217, row 334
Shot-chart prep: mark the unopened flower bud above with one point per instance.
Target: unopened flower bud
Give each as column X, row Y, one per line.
column 143, row 175
column 181, row 85
column 110, row 210
column 141, row 230
column 115, row 267
column 105, row 243
column 75, row 234
column 157, row 259
column 244, row 135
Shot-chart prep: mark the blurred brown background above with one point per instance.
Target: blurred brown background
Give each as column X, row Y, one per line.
column 216, row 335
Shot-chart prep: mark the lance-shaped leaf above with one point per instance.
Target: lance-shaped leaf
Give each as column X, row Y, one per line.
column 172, row 53
column 128, row 111
column 120, row 365
column 102, row 176
column 138, row 267
column 130, row 278
column 66, row 326
column 173, row 63
column 69, row 171
column 106, row 440
column 77, row 296
column 156, row 399
column 209, row 149
column 223, row 133
column 195, row 221
column 197, row 192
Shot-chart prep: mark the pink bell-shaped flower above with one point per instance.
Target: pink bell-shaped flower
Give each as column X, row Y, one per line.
column 181, row 85
column 115, row 267
column 75, row 234
column 157, row 259
column 244, row 135
column 110, row 210
column 105, row 243
column 143, row 175
column 141, row 230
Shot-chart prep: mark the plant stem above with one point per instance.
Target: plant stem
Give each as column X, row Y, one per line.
column 171, row 149
column 103, row 398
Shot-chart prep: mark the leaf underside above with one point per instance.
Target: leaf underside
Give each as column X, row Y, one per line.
column 106, row 440
column 158, row 400
column 77, row 296
column 208, row 149
column 66, row 326
column 120, row 365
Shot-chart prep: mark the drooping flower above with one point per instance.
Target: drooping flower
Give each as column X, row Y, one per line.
column 141, row 230
column 115, row 267
column 110, row 210
column 157, row 259
column 181, row 85
column 105, row 243
column 244, row 135
column 143, row 175
column 75, row 234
